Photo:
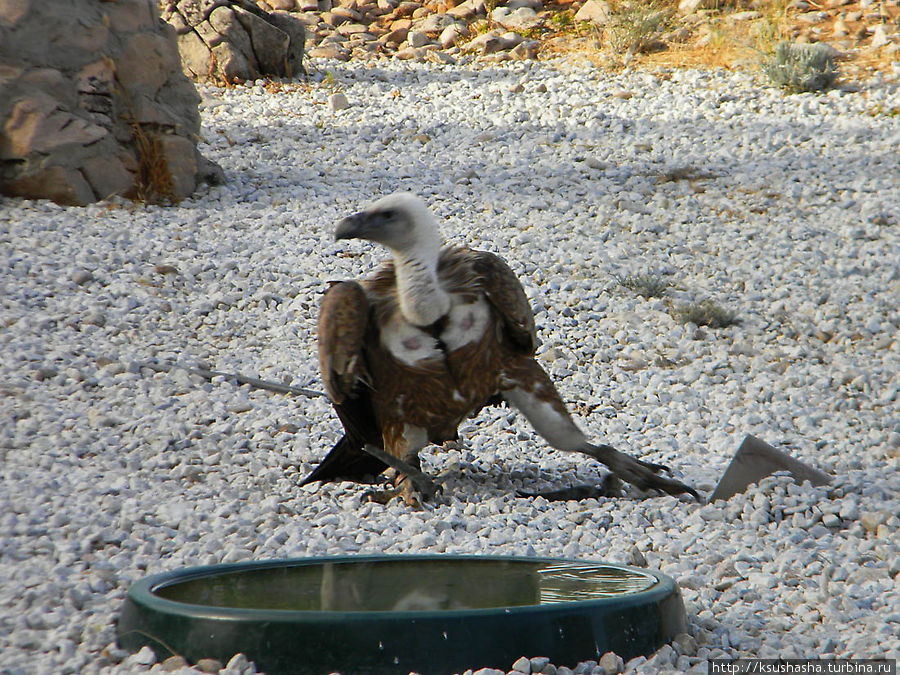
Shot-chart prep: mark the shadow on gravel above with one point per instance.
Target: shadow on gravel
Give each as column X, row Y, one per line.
column 503, row 153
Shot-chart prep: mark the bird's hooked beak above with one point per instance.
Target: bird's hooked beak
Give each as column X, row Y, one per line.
column 356, row 226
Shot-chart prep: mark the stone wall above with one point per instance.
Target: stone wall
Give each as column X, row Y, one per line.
column 234, row 40
column 93, row 103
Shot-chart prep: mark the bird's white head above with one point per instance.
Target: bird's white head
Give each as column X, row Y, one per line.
column 403, row 223
column 400, row 221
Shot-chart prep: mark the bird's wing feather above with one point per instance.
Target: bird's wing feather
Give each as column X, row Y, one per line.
column 347, row 458
column 505, row 293
column 343, row 321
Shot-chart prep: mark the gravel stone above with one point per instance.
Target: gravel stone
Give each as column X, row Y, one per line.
column 831, row 520
column 329, row 51
column 611, row 663
column 637, row 558
column 81, row 277
column 538, row 663
column 338, row 101
column 417, row 38
column 522, row 665
column 686, row 644
column 238, row 662
column 144, row 657
column 173, row 663
column 870, row 520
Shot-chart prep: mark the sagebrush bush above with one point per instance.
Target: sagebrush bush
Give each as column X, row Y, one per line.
column 705, row 313
column 633, row 25
column 801, row 67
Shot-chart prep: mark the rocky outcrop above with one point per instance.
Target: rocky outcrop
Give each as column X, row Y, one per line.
column 93, row 103
column 234, row 41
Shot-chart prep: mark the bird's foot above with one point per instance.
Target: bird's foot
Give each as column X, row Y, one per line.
column 405, row 493
column 410, row 483
column 417, row 487
column 380, row 496
column 639, row 473
column 413, row 489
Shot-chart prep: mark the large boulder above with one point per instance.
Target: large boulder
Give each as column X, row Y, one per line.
column 93, row 103
column 234, row 40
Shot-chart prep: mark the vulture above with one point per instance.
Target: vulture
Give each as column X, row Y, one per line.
column 436, row 334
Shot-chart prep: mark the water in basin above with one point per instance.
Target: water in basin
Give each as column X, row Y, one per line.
column 408, row 585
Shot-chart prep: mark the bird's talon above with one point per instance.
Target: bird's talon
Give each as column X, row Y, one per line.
column 643, row 475
column 420, row 486
column 380, row 496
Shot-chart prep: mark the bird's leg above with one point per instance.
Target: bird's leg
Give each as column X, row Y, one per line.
column 531, row 391
column 412, row 485
column 636, row 472
column 411, row 470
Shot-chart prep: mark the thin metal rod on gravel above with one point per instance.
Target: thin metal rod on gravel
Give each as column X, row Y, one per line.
column 237, row 377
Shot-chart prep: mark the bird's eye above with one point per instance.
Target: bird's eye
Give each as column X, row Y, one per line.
column 388, row 214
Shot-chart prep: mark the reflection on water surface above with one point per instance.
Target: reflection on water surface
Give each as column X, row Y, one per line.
column 409, row 585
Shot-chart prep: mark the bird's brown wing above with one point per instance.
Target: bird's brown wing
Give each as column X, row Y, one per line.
column 506, row 295
column 343, row 321
column 343, row 324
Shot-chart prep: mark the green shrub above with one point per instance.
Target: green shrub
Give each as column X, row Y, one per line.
column 801, row 67
column 634, row 25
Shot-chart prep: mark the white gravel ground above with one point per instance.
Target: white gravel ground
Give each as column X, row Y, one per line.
column 790, row 218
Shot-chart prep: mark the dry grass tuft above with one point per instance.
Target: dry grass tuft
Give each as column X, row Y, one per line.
column 645, row 285
column 153, row 184
column 705, row 313
column 634, row 26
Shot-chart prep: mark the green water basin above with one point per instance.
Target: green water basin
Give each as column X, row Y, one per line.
column 433, row 615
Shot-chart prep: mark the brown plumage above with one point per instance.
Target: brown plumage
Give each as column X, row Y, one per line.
column 430, row 339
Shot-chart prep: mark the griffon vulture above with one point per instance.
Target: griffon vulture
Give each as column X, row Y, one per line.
column 434, row 336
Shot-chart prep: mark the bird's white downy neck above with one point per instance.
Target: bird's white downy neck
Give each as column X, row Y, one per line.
column 422, row 300
column 410, row 231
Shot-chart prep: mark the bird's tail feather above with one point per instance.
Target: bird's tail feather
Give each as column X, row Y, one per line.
column 346, row 459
